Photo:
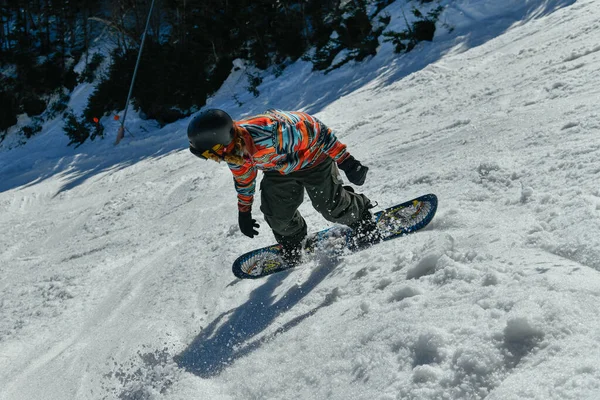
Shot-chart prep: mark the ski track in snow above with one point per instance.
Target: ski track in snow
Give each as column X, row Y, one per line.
column 115, row 263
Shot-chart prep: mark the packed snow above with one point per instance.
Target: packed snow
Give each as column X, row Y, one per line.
column 115, row 261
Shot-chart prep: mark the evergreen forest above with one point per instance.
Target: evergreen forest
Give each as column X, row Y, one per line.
column 190, row 44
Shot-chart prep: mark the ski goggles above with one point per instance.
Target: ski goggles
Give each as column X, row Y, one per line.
column 215, row 153
column 218, row 153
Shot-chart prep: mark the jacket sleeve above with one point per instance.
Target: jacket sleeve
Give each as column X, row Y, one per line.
column 244, row 179
column 331, row 145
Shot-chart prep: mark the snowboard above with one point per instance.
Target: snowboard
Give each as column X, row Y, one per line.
column 336, row 241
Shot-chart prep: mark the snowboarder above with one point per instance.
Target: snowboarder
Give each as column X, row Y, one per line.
column 295, row 151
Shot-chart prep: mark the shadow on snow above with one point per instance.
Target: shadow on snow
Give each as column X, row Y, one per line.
column 76, row 166
column 231, row 335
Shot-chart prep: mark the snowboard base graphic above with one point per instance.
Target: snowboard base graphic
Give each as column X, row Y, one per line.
column 392, row 222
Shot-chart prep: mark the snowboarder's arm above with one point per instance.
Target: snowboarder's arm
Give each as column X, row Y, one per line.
column 354, row 170
column 244, row 179
column 331, row 145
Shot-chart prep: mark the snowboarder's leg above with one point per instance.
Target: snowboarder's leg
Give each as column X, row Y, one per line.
column 330, row 198
column 281, row 195
column 340, row 204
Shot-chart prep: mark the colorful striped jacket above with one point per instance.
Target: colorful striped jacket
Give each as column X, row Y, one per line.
column 284, row 141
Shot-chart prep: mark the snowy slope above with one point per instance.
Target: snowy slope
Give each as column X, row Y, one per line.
column 115, row 262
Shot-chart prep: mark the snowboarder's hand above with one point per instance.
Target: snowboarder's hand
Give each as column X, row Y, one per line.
column 354, row 170
column 248, row 226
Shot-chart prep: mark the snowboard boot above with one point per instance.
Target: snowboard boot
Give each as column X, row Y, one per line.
column 365, row 232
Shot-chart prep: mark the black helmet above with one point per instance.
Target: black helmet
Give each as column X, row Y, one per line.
column 209, row 128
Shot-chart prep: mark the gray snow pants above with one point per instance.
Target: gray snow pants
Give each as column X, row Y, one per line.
column 281, row 195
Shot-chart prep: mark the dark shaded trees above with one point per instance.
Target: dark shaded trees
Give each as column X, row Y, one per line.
column 189, row 49
column 40, row 42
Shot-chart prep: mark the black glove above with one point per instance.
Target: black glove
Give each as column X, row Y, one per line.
column 248, row 225
column 354, row 170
